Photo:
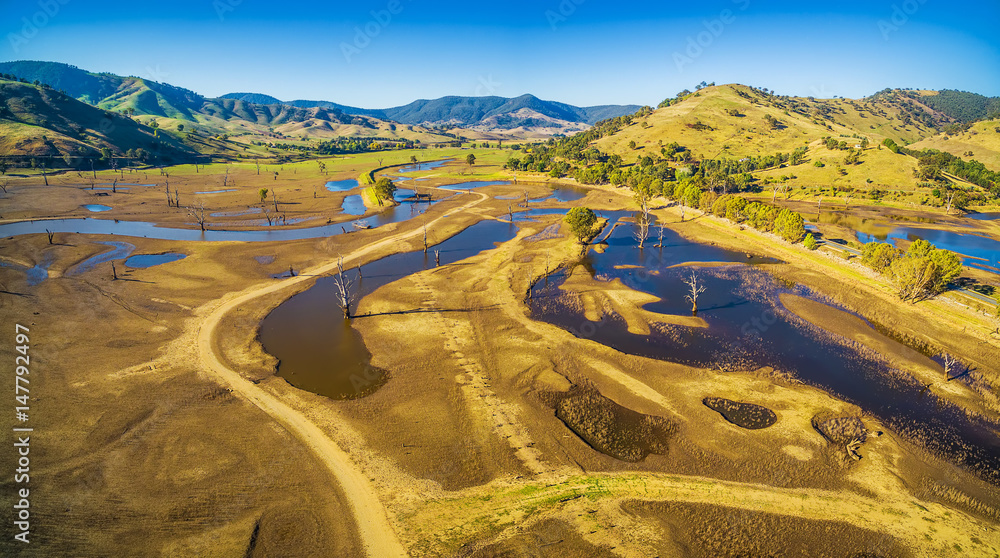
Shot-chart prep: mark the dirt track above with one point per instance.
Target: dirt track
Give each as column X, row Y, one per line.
column 374, row 528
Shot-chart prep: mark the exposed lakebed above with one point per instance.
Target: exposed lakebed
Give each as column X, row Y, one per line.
column 749, row 328
column 320, row 352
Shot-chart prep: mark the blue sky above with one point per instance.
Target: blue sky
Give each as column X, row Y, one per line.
column 583, row 52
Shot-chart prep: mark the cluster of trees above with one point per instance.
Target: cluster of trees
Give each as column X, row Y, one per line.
column 339, row 146
column 920, row 272
column 833, row 144
column 677, row 98
column 933, row 163
column 12, row 77
column 750, row 164
column 785, row 223
column 574, row 146
column 139, row 154
column 676, row 152
column 688, row 191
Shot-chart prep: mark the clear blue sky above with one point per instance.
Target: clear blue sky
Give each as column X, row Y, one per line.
column 583, row 52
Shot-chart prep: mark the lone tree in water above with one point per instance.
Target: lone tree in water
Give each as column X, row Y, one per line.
column 641, row 232
column 581, row 221
column 695, row 290
column 345, row 289
column 950, row 364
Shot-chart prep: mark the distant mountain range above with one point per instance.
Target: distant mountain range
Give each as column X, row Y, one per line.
column 467, row 112
column 527, row 114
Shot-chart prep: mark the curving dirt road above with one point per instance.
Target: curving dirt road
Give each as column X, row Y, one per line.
column 373, row 526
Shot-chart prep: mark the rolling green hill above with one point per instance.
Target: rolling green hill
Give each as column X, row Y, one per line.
column 737, row 121
column 37, row 121
column 739, row 138
column 980, row 142
column 172, row 107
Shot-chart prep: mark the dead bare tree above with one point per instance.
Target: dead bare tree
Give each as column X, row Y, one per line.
column 3, row 185
column 114, row 272
column 659, row 240
column 257, row 163
column 510, row 213
column 641, row 232
column 267, row 215
column 950, row 363
column 274, row 198
column 225, row 179
column 345, row 289
column 437, row 257
column 425, row 239
column 50, row 234
column 948, row 202
column 695, row 289
column 778, row 186
column 44, row 176
column 198, row 213
column 531, row 273
column 177, row 198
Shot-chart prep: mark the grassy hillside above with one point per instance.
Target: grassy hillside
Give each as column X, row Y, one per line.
column 732, row 121
column 959, row 105
column 879, row 168
column 40, row 122
column 982, row 140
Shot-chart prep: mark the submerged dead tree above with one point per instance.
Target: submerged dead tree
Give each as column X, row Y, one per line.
column 345, row 288
column 198, row 213
column 950, row 362
column 641, row 232
column 695, row 289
